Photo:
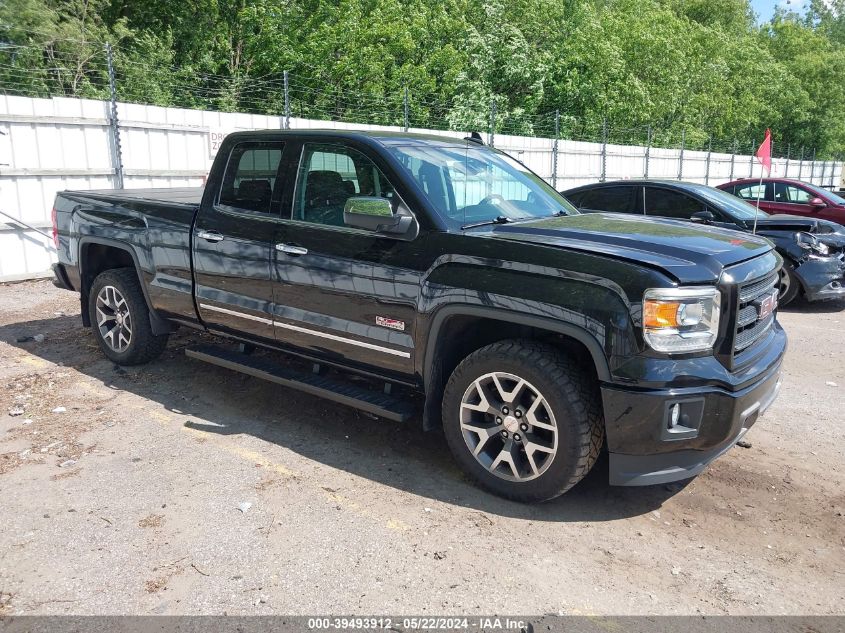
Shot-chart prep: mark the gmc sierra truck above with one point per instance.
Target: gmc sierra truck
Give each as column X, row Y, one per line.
column 394, row 269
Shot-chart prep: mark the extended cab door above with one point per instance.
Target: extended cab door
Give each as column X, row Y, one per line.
column 232, row 240
column 794, row 199
column 345, row 294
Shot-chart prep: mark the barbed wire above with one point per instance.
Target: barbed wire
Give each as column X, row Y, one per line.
column 26, row 71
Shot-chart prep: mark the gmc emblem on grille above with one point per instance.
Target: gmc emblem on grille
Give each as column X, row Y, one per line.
column 766, row 305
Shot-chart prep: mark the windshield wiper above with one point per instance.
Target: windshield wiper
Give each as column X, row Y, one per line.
column 500, row 219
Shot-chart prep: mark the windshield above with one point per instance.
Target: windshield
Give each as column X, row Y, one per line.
column 472, row 184
column 826, row 193
column 730, row 204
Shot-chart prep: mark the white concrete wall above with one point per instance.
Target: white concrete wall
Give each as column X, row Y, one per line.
column 48, row 145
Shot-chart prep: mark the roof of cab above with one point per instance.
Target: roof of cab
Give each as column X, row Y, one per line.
column 386, row 138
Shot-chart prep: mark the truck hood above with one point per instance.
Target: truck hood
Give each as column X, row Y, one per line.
column 690, row 253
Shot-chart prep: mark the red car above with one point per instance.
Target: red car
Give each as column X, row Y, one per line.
column 784, row 196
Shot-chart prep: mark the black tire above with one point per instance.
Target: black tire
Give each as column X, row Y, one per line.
column 792, row 287
column 571, row 396
column 143, row 345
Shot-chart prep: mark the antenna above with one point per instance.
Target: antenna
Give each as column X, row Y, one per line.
column 475, row 137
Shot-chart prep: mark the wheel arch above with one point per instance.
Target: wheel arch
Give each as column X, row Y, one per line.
column 457, row 331
column 96, row 255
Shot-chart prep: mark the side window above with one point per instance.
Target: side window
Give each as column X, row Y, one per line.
column 791, row 194
column 610, row 199
column 575, row 198
column 251, row 175
column 328, row 176
column 750, row 192
column 670, row 204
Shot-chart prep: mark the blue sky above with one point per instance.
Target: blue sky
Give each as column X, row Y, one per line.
column 765, row 9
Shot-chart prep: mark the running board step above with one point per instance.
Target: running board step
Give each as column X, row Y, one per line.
column 351, row 395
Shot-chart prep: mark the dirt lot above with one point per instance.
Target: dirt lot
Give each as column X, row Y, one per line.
column 129, row 499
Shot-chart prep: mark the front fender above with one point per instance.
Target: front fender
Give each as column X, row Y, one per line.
column 593, row 310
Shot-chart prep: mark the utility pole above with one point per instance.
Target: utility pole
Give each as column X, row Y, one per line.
column 733, row 159
column 604, row 149
column 405, row 100
column 491, row 135
column 113, row 122
column 751, row 159
column 287, row 103
column 681, row 157
column 647, row 150
column 801, row 162
column 813, row 167
column 555, row 149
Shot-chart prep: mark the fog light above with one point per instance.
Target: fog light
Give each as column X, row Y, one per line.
column 682, row 419
column 674, row 416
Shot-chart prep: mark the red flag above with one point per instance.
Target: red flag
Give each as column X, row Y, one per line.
column 764, row 154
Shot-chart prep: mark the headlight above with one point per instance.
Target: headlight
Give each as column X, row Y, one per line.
column 677, row 320
column 811, row 243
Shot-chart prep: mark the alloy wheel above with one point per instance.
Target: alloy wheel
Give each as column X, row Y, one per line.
column 508, row 426
column 114, row 320
column 785, row 283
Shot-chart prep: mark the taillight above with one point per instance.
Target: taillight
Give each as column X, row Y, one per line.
column 55, row 227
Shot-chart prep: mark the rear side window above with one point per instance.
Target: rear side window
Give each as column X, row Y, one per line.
column 751, row 192
column 670, row 204
column 611, row 199
column 251, row 177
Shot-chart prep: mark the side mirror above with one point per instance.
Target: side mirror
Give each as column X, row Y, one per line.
column 703, row 217
column 818, row 203
column 375, row 214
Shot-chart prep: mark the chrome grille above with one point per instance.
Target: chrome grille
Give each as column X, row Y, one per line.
column 748, row 328
column 747, row 316
column 748, row 336
column 754, row 289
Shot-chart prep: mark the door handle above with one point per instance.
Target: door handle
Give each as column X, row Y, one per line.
column 211, row 236
column 291, row 249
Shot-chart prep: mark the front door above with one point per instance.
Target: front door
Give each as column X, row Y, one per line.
column 232, row 241
column 344, row 294
column 791, row 199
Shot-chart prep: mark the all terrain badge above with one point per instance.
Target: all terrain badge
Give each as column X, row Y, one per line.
column 393, row 324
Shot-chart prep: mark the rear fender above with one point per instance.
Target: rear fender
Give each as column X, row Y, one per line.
column 87, row 274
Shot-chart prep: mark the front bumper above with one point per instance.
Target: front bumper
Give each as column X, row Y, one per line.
column 644, row 450
column 822, row 277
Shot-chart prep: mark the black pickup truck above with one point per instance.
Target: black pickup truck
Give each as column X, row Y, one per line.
column 392, row 265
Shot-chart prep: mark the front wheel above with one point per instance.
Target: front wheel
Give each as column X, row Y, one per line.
column 789, row 285
column 121, row 320
column 523, row 420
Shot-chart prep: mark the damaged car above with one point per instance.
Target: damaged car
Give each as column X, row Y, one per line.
column 813, row 249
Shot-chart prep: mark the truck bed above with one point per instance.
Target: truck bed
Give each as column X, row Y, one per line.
column 177, row 195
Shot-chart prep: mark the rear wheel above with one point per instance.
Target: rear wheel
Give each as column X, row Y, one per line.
column 522, row 420
column 121, row 320
column 789, row 285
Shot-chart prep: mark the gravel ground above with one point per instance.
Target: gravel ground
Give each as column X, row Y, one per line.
column 132, row 499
